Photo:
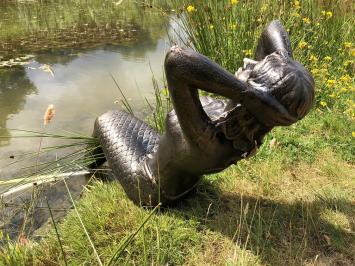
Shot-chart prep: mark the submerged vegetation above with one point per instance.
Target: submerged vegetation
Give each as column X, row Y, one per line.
column 35, row 26
column 291, row 204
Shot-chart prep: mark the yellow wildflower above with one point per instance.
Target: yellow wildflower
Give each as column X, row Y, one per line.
column 323, row 104
column 191, row 9
column 313, row 58
column 302, row 44
column 211, row 27
column 345, row 78
column 353, row 134
column 331, row 82
column 234, row 2
column 352, row 52
column 327, row 58
column 297, row 4
column 347, row 63
column 314, row 71
column 233, row 26
column 327, row 14
column 263, row 8
column 248, row 52
column 306, row 20
column 347, row 44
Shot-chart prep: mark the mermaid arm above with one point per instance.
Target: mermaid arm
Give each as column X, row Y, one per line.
column 273, row 38
column 186, row 72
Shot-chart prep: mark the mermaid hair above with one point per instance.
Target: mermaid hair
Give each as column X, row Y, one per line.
column 285, row 80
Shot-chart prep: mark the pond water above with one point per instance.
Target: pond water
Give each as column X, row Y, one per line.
column 76, row 79
column 78, row 82
column 80, row 89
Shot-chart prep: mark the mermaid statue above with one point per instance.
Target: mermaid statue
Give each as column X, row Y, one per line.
column 203, row 134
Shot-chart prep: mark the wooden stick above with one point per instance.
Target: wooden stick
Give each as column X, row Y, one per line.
column 38, row 180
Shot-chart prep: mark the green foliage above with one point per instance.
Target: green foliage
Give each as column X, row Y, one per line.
column 161, row 107
column 12, row 254
column 321, row 33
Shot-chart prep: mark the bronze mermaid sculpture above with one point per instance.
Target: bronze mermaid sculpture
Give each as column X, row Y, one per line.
column 206, row 135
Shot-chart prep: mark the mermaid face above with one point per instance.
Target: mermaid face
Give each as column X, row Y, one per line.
column 283, row 79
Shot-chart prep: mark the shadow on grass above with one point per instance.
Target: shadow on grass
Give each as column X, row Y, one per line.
column 277, row 232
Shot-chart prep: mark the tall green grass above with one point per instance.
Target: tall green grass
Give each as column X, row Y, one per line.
column 321, row 33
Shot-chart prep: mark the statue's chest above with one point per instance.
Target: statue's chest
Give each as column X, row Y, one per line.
column 242, row 129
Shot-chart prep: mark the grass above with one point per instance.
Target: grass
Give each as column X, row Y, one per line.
column 291, row 204
column 257, row 213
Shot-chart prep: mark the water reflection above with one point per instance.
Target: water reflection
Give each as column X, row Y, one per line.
column 81, row 89
column 15, row 86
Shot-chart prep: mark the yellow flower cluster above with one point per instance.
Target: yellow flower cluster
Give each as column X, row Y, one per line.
column 346, row 78
column 248, row 52
column 331, row 82
column 323, row 103
column 263, row 8
column 302, row 44
column 233, row 26
column 327, row 14
column 191, row 9
column 307, row 21
column 348, row 44
column 336, row 87
column 313, row 58
column 234, row 2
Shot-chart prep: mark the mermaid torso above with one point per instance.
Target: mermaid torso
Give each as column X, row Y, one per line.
column 143, row 161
